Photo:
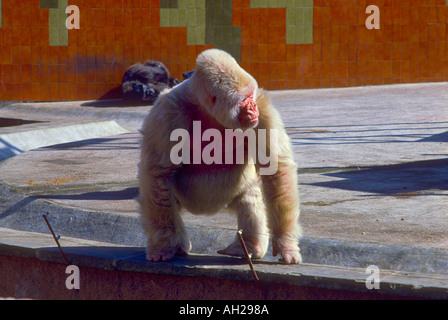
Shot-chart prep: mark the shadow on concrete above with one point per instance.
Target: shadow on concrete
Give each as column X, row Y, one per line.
column 138, row 255
column 406, row 126
column 111, row 103
column 441, row 137
column 356, row 134
column 117, row 195
column 406, row 179
column 17, row 206
column 7, row 150
column 121, row 143
column 12, row 122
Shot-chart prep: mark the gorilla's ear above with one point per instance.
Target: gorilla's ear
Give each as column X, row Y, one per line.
column 187, row 74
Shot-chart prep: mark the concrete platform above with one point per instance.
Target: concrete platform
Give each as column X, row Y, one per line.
column 373, row 176
column 33, row 268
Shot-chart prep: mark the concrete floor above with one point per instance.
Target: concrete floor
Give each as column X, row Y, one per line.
column 373, row 175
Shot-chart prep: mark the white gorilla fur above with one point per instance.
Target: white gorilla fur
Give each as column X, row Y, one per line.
column 213, row 95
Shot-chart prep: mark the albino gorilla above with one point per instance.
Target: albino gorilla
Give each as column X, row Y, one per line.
column 218, row 96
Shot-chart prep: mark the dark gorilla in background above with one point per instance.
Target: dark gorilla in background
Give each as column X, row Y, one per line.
column 142, row 83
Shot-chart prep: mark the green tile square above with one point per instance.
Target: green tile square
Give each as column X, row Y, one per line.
column 227, row 12
column 217, row 13
column 215, row 4
column 235, row 51
column 166, row 4
column 54, row 37
column 218, row 35
column 290, row 17
column 63, row 37
column 164, row 17
column 210, row 14
column 308, row 16
column 259, row 4
column 308, row 34
column 236, row 36
column 49, row 4
column 308, row 3
column 190, row 3
column 209, row 35
column 191, row 17
column 195, row 35
column 281, row 3
column 200, row 35
column 62, row 4
column 299, row 17
column 62, row 19
column 299, row 34
column 290, row 34
column 53, row 18
column 227, row 17
column 191, row 35
column 200, row 17
column 200, row 3
column 227, row 34
column 173, row 18
column 182, row 17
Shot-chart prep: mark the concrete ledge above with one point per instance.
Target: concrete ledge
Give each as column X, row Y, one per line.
column 32, row 267
column 129, row 117
column 15, row 143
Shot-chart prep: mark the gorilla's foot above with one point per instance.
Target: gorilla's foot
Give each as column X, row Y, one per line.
column 164, row 254
column 288, row 250
column 235, row 249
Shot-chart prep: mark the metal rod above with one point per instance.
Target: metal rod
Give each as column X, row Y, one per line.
column 248, row 255
column 56, row 238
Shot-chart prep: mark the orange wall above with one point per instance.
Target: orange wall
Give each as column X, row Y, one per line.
column 410, row 46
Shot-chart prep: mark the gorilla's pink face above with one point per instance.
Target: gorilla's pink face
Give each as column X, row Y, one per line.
column 225, row 90
column 248, row 116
